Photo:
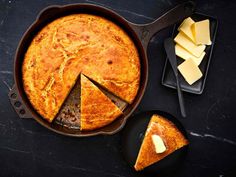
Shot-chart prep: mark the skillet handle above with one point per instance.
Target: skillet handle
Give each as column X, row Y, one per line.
column 17, row 104
column 175, row 15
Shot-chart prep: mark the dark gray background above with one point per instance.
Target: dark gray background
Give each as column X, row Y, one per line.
column 28, row 149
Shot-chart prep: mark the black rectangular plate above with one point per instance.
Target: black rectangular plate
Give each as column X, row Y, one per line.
column 168, row 78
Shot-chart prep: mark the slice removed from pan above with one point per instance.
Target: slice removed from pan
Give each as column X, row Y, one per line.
column 97, row 110
column 171, row 136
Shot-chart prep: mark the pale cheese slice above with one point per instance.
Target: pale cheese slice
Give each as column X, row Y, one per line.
column 201, row 32
column 194, row 49
column 159, row 144
column 184, row 54
column 190, row 71
column 185, row 27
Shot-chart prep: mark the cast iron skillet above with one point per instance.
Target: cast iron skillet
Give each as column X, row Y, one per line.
column 140, row 34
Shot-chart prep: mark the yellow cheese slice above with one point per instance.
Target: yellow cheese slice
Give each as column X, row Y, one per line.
column 201, row 32
column 185, row 27
column 184, row 54
column 190, row 71
column 187, row 44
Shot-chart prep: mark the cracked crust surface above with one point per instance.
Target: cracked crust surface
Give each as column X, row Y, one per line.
column 97, row 110
column 73, row 44
column 172, row 137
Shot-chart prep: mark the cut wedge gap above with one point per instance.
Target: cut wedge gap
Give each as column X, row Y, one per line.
column 69, row 114
column 120, row 103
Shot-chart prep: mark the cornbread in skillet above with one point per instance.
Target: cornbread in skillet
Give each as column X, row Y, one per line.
column 97, row 110
column 73, row 44
column 169, row 133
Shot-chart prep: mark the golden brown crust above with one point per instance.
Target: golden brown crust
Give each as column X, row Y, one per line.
column 97, row 110
column 172, row 137
column 75, row 43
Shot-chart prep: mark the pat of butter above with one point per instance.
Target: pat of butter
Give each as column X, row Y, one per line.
column 190, row 71
column 159, row 144
column 201, row 32
column 185, row 27
column 184, row 54
column 184, row 42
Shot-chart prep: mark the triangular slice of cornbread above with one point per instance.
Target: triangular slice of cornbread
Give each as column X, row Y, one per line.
column 97, row 110
column 169, row 133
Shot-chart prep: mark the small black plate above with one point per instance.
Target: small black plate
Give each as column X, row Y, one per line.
column 132, row 137
column 168, row 78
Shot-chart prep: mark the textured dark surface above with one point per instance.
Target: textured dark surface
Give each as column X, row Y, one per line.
column 28, row 149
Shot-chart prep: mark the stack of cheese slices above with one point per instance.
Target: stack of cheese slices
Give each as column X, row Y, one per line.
column 191, row 42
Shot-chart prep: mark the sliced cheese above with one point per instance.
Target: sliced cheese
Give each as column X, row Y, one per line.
column 201, row 32
column 190, row 71
column 185, row 27
column 184, row 54
column 159, row 144
column 194, row 49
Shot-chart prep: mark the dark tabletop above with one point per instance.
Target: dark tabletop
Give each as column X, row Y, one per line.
column 28, row 149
